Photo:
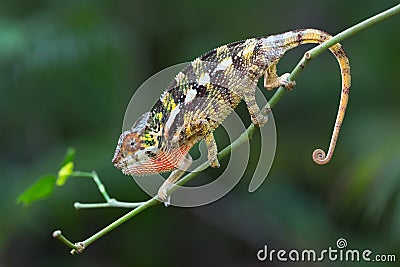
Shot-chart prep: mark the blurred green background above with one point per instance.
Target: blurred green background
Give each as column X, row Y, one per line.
column 68, row 70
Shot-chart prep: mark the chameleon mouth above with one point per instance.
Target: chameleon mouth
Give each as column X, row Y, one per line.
column 116, row 161
column 120, row 165
column 161, row 162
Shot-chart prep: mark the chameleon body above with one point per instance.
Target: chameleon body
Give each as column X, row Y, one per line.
column 203, row 94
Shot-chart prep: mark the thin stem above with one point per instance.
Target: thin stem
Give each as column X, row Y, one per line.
column 82, row 174
column 96, row 179
column 316, row 51
column 112, row 203
column 57, row 234
column 100, row 186
column 244, row 137
column 151, row 202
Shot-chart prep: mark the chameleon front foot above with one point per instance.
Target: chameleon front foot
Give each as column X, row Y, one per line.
column 163, row 196
column 257, row 118
column 212, row 150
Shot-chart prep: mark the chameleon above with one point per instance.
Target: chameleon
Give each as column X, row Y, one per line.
column 204, row 93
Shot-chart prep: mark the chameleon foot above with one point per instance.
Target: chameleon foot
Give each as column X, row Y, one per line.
column 285, row 82
column 214, row 163
column 260, row 120
column 271, row 79
column 163, row 196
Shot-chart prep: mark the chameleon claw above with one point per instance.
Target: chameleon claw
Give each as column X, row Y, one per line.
column 162, row 194
column 167, row 202
column 260, row 121
column 285, row 82
column 214, row 163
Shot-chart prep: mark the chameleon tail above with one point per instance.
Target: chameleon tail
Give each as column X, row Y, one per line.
column 317, row 36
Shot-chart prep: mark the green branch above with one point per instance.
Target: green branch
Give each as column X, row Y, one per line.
column 243, row 138
column 110, row 202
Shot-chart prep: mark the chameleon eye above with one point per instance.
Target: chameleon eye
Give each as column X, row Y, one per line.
column 132, row 143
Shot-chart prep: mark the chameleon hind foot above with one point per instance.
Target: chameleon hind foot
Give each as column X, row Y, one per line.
column 271, row 82
column 285, row 82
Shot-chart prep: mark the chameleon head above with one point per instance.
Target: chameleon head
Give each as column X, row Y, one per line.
column 126, row 153
column 130, row 152
column 134, row 157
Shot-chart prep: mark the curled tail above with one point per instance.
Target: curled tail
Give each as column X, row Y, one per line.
column 298, row 37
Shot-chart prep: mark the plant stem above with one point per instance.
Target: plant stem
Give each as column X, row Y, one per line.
column 112, row 203
column 316, row 51
column 57, row 234
column 96, row 179
column 244, row 137
column 118, row 222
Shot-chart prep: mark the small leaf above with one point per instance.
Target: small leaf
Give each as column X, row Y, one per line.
column 41, row 189
column 64, row 173
column 69, row 156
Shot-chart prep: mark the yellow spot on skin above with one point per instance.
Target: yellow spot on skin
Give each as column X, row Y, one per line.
column 164, row 99
column 222, row 50
column 197, row 63
column 147, row 137
column 169, row 103
column 248, row 51
column 181, row 78
column 209, row 86
column 148, row 140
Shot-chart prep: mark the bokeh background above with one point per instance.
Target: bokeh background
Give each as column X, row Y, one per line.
column 68, row 70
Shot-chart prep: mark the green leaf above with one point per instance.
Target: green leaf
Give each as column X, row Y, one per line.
column 64, row 173
column 69, row 156
column 41, row 189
